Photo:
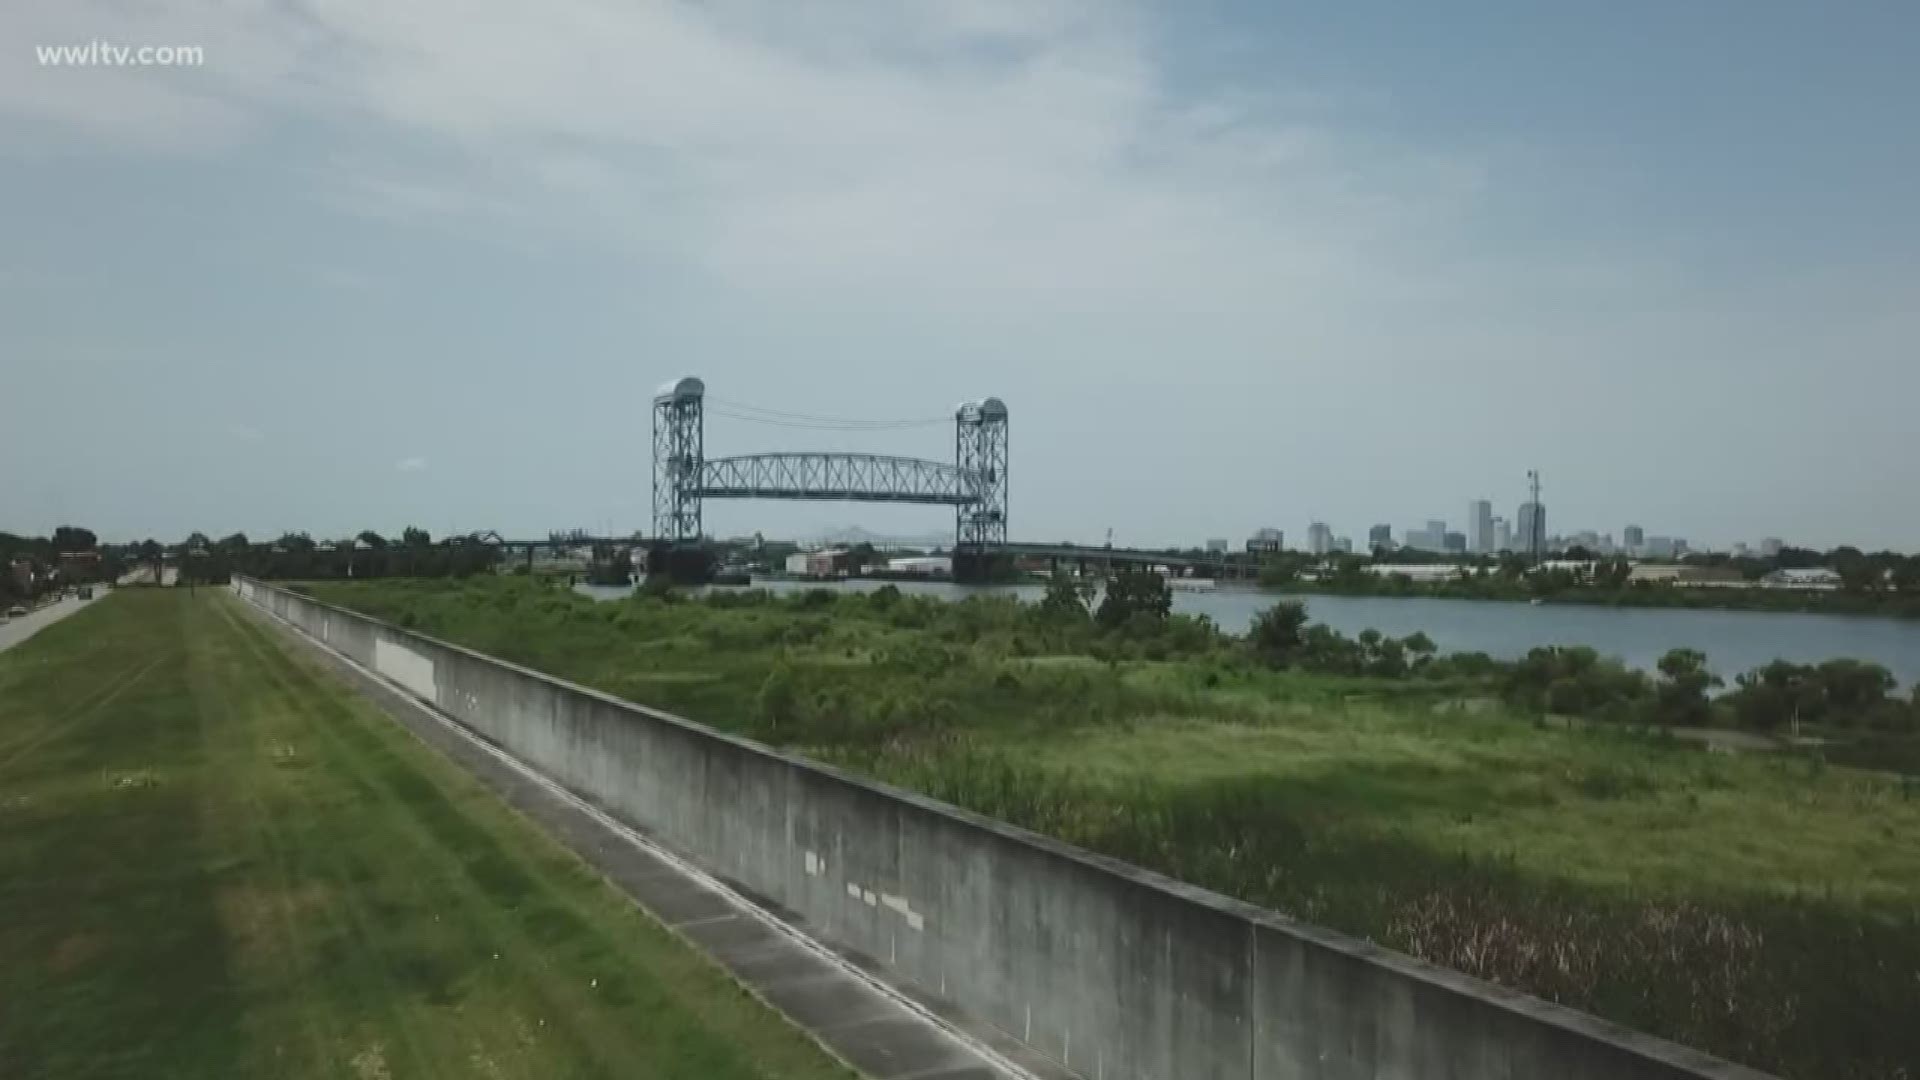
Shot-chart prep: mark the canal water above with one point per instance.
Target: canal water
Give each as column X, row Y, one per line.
column 1734, row 641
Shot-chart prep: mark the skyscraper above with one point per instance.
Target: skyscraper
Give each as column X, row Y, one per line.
column 1502, row 535
column 1532, row 536
column 1319, row 538
column 1479, row 526
column 1634, row 537
column 1380, row 536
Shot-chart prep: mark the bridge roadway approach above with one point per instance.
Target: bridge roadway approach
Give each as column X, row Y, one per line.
column 1085, row 556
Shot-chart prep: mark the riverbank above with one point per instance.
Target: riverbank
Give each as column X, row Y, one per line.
column 1773, row 920
column 1732, row 641
column 1729, row 597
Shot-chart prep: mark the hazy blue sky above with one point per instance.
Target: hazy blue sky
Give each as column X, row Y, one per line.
column 1230, row 265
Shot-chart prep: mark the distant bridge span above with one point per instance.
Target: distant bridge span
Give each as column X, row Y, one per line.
column 836, row 477
column 975, row 484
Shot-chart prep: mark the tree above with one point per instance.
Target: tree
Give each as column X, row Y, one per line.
column 1574, row 681
column 1135, row 591
column 233, row 544
column 1324, row 649
column 73, row 538
column 1279, row 632
column 1613, row 573
column 1280, row 569
column 1681, row 697
column 372, row 539
column 1350, row 571
column 1906, row 576
column 1851, row 689
column 196, row 541
column 295, row 541
column 415, row 537
column 1858, row 574
column 1779, row 694
column 1389, row 659
column 1419, row 646
column 1067, row 597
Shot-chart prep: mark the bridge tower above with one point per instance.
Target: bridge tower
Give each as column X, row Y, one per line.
column 679, row 429
column 980, row 454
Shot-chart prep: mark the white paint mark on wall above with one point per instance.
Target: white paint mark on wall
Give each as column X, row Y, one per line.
column 853, row 890
column 406, row 667
column 870, row 897
column 815, row 865
column 900, row 904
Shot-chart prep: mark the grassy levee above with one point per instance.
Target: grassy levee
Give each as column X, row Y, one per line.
column 215, row 860
column 1763, row 908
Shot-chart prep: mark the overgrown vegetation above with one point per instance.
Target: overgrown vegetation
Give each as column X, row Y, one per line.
column 1762, row 907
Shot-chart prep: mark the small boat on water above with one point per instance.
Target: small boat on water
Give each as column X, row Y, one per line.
column 1192, row 584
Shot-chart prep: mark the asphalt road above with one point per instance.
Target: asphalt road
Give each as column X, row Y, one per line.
column 15, row 631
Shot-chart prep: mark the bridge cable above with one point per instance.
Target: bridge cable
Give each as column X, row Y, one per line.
column 755, row 414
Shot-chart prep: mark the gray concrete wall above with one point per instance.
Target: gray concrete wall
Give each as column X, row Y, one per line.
column 1119, row 973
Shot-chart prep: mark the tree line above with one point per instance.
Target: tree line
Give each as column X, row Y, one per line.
column 1846, row 696
column 297, row 555
column 33, row 566
column 1884, row 582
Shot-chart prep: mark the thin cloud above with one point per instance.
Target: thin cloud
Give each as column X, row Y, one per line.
column 411, row 464
column 1013, row 155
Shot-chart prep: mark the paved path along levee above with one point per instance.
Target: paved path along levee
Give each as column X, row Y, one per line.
column 15, row 631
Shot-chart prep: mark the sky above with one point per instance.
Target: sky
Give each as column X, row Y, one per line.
column 1230, row 265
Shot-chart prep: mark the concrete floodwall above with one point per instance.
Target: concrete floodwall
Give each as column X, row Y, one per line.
column 1116, row 972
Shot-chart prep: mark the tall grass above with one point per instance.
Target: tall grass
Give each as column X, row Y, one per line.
column 992, row 706
column 1797, row 985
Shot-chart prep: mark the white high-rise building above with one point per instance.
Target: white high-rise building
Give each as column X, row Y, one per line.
column 1532, row 530
column 1479, row 526
column 1502, row 535
column 1319, row 538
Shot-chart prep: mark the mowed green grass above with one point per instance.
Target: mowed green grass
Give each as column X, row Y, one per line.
column 217, row 861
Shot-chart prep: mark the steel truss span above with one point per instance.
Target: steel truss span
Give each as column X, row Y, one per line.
column 975, row 485
column 836, row 477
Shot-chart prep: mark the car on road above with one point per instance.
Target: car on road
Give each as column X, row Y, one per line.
column 16, row 612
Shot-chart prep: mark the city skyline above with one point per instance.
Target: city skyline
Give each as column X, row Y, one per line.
column 1502, row 534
